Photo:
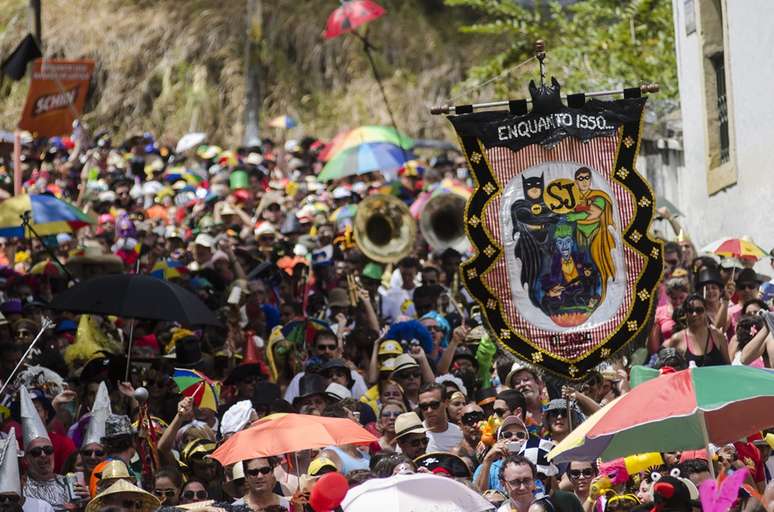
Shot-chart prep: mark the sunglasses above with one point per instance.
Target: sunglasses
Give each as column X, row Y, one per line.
column 40, row 450
column 93, row 453
column 472, row 418
column 259, row 471
column 434, row 328
column 520, row 434
column 408, row 375
column 430, row 406
column 694, row 310
column 164, row 492
column 419, row 441
column 198, row 495
column 577, row 473
column 393, row 414
column 327, row 348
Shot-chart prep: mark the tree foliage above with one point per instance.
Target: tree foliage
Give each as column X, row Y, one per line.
column 591, row 44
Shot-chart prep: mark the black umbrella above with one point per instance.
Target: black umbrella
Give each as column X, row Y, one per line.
column 135, row 296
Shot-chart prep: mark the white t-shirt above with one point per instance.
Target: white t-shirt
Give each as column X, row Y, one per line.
column 36, row 505
column 444, row 441
column 359, row 387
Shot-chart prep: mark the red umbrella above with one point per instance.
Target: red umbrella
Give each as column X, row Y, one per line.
column 351, row 15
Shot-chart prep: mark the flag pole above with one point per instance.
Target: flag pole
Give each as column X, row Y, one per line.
column 17, row 172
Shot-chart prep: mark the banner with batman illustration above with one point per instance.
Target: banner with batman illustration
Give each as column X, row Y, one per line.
column 564, row 268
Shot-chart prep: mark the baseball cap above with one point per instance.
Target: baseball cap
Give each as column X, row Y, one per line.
column 322, row 465
column 204, row 240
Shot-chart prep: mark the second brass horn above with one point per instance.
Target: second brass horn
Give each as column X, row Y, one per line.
column 442, row 222
column 384, row 229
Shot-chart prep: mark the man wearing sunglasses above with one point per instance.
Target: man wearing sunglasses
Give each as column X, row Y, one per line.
column 42, row 482
column 325, row 346
column 472, row 415
column 511, row 436
column 411, row 435
column 259, row 484
column 444, row 436
column 517, row 476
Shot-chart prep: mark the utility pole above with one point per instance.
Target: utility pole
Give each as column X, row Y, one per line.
column 253, row 41
column 35, row 24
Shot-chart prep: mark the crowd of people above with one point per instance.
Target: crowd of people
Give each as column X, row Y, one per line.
column 309, row 324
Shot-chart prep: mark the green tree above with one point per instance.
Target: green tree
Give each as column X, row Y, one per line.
column 591, row 44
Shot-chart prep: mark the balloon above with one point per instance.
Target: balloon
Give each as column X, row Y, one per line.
column 328, row 492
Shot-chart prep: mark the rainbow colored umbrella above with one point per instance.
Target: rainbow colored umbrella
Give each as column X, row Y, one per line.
column 735, row 248
column 193, row 383
column 302, row 332
column 362, row 135
column 286, row 122
column 49, row 216
column 364, row 158
column 48, row 268
column 684, row 410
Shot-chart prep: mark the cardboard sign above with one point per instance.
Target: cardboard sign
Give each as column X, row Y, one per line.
column 56, row 97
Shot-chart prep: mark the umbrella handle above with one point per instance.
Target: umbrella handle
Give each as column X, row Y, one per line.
column 26, row 217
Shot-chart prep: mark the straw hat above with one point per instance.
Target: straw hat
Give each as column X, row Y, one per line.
column 149, row 501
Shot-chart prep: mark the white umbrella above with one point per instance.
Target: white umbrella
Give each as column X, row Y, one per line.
column 189, row 140
column 418, row 492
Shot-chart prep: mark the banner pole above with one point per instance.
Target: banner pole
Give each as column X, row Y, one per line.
column 17, row 171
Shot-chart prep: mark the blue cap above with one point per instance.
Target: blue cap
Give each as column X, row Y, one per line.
column 65, row 325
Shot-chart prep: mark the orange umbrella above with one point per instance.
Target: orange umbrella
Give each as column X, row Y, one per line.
column 282, row 433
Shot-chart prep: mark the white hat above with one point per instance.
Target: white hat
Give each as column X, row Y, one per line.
column 337, row 392
column 254, row 159
column 100, row 411
column 204, row 240
column 360, row 188
column 32, row 425
column 341, row 193
column 236, row 417
column 9, row 465
column 265, row 228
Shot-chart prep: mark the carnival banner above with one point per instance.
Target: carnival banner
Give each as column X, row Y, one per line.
column 56, row 96
column 564, row 268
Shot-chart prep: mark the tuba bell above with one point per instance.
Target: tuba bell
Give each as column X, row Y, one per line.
column 384, row 229
column 442, row 221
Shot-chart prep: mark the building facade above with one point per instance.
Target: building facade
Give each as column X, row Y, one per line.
column 725, row 59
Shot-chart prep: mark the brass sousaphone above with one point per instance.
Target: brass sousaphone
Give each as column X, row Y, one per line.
column 384, row 229
column 442, row 222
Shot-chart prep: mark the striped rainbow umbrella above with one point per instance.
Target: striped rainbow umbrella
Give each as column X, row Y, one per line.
column 363, row 135
column 49, row 216
column 735, row 248
column 205, row 391
column 684, row 410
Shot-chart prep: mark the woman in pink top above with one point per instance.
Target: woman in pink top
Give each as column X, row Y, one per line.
column 663, row 326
